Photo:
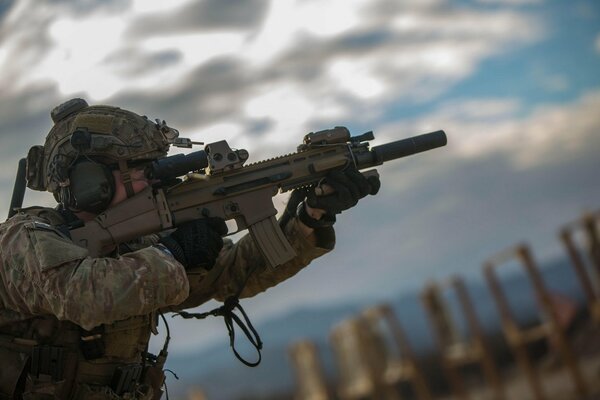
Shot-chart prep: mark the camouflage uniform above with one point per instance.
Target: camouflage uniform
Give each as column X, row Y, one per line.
column 77, row 327
column 52, row 293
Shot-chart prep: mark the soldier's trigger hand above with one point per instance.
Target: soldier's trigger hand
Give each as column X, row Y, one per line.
column 348, row 186
column 197, row 243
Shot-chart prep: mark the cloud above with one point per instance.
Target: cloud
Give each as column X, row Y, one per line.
column 410, row 53
column 58, row 43
column 133, row 62
column 550, row 82
column 86, row 8
column 291, row 71
column 597, row 44
column 510, row 2
column 551, row 134
column 25, row 119
column 23, row 42
column 203, row 16
column 212, row 92
column 555, row 136
column 5, row 7
column 404, row 48
column 81, row 45
column 548, row 138
column 478, row 109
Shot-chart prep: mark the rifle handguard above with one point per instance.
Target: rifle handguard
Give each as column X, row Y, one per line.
column 325, row 221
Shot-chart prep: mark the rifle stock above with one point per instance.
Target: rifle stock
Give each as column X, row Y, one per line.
column 227, row 189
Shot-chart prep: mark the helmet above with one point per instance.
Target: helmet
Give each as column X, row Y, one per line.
column 83, row 147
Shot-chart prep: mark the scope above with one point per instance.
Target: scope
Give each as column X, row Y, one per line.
column 177, row 165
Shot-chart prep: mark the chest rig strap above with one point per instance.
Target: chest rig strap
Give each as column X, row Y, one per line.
column 70, row 356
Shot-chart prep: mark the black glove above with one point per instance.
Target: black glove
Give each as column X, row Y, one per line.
column 197, row 243
column 349, row 185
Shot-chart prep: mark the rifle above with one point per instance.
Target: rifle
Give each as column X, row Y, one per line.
column 217, row 184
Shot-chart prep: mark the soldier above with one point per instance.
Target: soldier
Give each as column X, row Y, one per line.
column 77, row 327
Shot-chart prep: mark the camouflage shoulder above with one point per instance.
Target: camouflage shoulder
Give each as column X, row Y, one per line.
column 49, row 215
column 34, row 241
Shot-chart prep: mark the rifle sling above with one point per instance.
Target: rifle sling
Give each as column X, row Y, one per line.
column 227, row 311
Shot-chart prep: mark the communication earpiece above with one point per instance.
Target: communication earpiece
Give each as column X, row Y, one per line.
column 92, row 186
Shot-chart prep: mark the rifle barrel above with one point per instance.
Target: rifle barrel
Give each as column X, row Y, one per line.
column 407, row 147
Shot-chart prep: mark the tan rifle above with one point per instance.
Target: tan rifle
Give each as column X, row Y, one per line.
column 218, row 184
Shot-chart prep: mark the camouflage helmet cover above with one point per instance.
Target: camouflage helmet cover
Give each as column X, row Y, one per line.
column 105, row 133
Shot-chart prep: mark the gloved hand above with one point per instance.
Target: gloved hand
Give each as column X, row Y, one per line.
column 349, row 186
column 340, row 191
column 197, row 243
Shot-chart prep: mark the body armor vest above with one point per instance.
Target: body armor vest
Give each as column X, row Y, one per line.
column 44, row 358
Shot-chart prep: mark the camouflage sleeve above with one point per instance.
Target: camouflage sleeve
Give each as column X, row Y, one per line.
column 242, row 264
column 45, row 273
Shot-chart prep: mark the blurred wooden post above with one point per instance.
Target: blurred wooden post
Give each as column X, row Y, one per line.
column 311, row 383
column 456, row 351
column 355, row 377
column 395, row 367
column 519, row 338
column 446, row 334
column 481, row 349
column 558, row 332
column 589, row 224
column 516, row 338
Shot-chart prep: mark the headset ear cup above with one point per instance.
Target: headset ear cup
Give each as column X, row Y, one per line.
column 92, row 186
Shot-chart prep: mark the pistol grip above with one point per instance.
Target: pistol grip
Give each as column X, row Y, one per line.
column 271, row 242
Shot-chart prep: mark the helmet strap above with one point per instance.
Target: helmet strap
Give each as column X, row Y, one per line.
column 126, row 178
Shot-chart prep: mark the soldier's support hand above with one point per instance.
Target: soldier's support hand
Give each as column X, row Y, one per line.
column 197, row 243
column 339, row 191
column 349, row 186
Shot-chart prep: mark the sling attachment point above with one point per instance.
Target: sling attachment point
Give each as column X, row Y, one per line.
column 227, row 311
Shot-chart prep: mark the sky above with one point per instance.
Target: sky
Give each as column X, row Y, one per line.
column 514, row 84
